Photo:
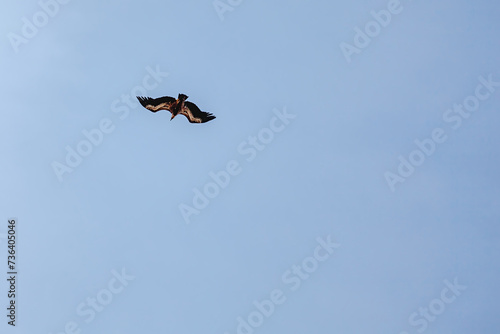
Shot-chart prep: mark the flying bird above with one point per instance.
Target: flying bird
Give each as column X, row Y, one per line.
column 177, row 106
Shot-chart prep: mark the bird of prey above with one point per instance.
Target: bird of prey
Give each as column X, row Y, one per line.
column 177, row 106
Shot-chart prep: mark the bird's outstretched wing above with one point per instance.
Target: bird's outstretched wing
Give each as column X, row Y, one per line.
column 161, row 103
column 194, row 114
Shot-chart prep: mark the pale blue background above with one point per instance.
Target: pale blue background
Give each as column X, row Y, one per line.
column 324, row 174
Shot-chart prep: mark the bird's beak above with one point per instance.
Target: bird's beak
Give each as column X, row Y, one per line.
column 171, row 118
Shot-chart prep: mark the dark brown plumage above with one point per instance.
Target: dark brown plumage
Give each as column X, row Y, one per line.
column 177, row 106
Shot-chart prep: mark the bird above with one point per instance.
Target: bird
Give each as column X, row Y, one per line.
column 176, row 106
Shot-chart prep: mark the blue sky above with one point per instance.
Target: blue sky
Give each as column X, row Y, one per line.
column 105, row 247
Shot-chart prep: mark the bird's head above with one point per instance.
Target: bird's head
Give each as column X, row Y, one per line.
column 182, row 97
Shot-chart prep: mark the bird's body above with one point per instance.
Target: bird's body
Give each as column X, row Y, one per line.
column 176, row 106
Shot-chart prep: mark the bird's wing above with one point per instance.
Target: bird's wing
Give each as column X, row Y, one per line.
column 194, row 114
column 161, row 103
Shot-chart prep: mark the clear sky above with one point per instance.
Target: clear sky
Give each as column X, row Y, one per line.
column 349, row 183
